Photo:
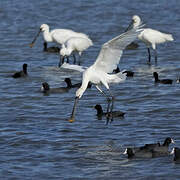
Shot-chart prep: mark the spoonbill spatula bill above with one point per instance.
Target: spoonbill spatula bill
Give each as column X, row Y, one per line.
column 106, row 62
column 150, row 37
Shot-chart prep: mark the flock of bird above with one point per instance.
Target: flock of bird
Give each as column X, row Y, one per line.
column 104, row 70
column 154, row 150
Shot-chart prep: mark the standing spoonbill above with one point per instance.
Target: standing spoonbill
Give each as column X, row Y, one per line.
column 106, row 62
column 59, row 36
column 150, row 37
column 75, row 44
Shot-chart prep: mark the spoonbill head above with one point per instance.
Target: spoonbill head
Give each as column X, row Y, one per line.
column 44, row 27
column 135, row 22
column 106, row 62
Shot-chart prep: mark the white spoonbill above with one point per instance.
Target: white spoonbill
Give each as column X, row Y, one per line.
column 150, row 37
column 75, row 44
column 59, row 36
column 106, row 62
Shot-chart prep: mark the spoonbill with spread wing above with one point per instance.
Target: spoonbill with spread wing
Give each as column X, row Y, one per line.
column 105, row 63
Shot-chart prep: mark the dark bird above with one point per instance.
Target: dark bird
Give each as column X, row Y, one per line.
column 164, row 148
column 128, row 73
column 176, row 152
column 22, row 73
column 138, row 154
column 100, row 112
column 46, row 89
column 157, row 149
column 70, row 85
column 117, row 70
column 144, row 153
column 132, row 46
column 51, row 49
column 163, row 81
column 178, row 80
column 150, row 146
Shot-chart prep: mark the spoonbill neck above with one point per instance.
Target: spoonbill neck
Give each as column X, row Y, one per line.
column 84, row 85
column 68, row 51
column 47, row 36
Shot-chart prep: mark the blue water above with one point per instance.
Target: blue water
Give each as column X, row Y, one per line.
column 37, row 141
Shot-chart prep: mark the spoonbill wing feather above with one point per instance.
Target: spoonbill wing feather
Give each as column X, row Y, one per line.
column 112, row 50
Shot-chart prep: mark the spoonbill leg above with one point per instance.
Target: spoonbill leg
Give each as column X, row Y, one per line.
column 149, row 55
column 109, row 100
column 155, row 55
column 79, row 61
column 74, row 57
column 67, row 58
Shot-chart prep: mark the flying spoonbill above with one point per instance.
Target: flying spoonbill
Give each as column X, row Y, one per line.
column 75, row 44
column 150, row 37
column 106, row 62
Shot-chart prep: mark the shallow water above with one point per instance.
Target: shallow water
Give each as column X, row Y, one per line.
column 37, row 141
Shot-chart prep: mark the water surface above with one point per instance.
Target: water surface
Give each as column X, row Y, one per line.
column 37, row 141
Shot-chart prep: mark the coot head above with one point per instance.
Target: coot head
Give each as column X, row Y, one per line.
column 45, row 87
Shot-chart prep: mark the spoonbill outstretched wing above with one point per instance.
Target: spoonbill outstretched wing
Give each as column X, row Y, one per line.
column 106, row 62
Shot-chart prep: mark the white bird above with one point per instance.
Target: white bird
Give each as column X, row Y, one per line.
column 150, row 37
column 75, row 44
column 59, row 36
column 106, row 62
